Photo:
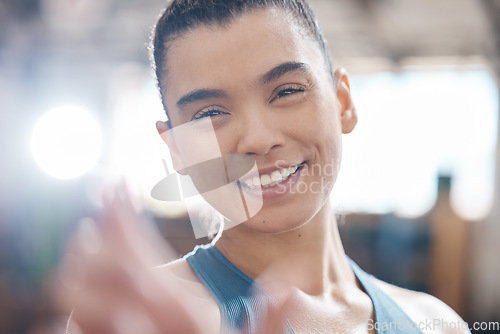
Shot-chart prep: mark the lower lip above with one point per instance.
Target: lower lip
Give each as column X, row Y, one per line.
column 278, row 190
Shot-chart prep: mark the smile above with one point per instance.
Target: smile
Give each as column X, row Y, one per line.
column 271, row 179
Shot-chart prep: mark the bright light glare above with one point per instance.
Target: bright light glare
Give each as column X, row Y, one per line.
column 413, row 126
column 66, row 142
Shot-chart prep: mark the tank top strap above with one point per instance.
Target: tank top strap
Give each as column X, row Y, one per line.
column 389, row 317
column 242, row 301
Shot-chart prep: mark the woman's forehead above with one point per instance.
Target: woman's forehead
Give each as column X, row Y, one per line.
column 244, row 49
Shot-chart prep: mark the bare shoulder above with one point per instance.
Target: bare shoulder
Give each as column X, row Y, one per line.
column 429, row 313
column 179, row 268
column 182, row 272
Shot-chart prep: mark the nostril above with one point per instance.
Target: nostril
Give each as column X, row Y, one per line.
column 258, row 138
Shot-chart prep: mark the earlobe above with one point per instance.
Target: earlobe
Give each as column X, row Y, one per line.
column 166, row 135
column 161, row 127
column 348, row 114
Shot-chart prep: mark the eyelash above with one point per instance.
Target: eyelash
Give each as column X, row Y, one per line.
column 289, row 90
column 211, row 112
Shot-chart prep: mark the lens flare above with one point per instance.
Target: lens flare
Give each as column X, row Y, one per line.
column 66, row 142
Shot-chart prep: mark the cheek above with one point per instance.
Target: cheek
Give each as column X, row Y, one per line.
column 323, row 129
column 320, row 120
column 227, row 138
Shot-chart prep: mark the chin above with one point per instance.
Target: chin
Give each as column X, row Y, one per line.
column 275, row 225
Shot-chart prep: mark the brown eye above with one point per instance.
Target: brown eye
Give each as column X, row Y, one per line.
column 208, row 113
column 286, row 91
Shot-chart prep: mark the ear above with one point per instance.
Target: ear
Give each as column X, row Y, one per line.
column 167, row 137
column 348, row 115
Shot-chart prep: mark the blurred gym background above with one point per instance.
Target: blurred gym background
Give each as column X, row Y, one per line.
column 419, row 186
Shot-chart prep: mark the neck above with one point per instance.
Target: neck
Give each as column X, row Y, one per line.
column 310, row 258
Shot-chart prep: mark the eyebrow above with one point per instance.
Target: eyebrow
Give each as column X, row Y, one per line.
column 273, row 74
column 283, row 69
column 200, row 94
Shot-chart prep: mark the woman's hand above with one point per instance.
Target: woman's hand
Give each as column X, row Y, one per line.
column 108, row 281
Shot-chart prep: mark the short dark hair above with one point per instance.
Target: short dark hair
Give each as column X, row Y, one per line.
column 181, row 16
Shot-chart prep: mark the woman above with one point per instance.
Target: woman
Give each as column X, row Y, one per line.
column 257, row 77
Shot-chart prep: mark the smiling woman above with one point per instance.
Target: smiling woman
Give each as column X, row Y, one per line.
column 249, row 79
column 258, row 113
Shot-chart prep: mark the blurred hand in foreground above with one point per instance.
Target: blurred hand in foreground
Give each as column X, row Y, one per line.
column 108, row 283
column 107, row 280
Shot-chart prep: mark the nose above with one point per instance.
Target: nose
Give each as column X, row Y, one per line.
column 259, row 134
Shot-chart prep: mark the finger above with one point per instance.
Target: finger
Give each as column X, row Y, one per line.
column 97, row 304
column 272, row 318
column 124, row 226
column 176, row 306
column 110, row 264
column 121, row 319
column 131, row 319
column 280, row 281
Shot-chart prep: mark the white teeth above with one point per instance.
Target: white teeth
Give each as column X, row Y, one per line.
column 256, row 181
column 285, row 173
column 269, row 180
column 276, row 176
column 265, row 179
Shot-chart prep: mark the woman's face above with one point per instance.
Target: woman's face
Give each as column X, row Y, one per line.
column 263, row 88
